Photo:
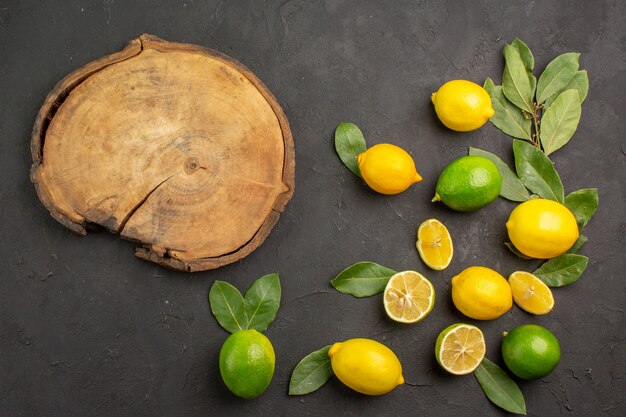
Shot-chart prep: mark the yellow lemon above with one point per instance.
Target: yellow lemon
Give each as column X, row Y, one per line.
column 462, row 105
column 542, row 228
column 481, row 293
column 387, row 168
column 366, row 366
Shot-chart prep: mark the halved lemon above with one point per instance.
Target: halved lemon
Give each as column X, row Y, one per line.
column 408, row 297
column 530, row 293
column 460, row 348
column 434, row 244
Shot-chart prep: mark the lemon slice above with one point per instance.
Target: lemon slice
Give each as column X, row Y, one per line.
column 408, row 297
column 530, row 293
column 434, row 244
column 460, row 348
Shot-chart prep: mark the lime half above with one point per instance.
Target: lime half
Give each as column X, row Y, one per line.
column 460, row 348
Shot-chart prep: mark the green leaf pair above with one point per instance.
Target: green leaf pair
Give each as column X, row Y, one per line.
column 256, row 310
column 559, row 92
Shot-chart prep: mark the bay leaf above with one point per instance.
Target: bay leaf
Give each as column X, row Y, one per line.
column 363, row 279
column 262, row 300
column 507, row 117
column 558, row 73
column 562, row 270
column 527, row 59
column 313, row 371
column 516, row 84
column 228, row 306
column 512, row 187
column 559, row 122
column 583, row 204
column 580, row 242
column 580, row 83
column 499, row 387
column 537, row 172
column 349, row 143
column 525, row 54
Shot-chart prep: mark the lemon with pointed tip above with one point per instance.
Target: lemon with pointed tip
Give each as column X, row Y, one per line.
column 366, row 366
column 462, row 105
column 542, row 228
column 387, row 169
column 481, row 293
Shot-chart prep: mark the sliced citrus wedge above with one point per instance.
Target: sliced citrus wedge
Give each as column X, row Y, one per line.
column 530, row 293
column 408, row 297
column 434, row 244
column 460, row 348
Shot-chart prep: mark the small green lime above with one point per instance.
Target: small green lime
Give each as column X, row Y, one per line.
column 530, row 351
column 468, row 183
column 247, row 363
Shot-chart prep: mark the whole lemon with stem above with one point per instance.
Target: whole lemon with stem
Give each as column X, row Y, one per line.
column 481, row 293
column 542, row 228
column 387, row 168
column 462, row 105
column 366, row 366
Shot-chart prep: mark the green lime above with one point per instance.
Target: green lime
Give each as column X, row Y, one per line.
column 247, row 363
column 530, row 351
column 468, row 183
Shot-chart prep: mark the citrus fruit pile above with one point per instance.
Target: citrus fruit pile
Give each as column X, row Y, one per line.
column 542, row 226
column 538, row 228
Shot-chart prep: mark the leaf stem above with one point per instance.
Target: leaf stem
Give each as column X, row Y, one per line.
column 535, row 135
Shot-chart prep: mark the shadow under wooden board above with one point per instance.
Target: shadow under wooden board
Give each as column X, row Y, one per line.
column 174, row 146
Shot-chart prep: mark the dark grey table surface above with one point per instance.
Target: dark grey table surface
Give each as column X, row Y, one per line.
column 86, row 329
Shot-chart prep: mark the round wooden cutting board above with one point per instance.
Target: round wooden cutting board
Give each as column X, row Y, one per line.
column 174, row 146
